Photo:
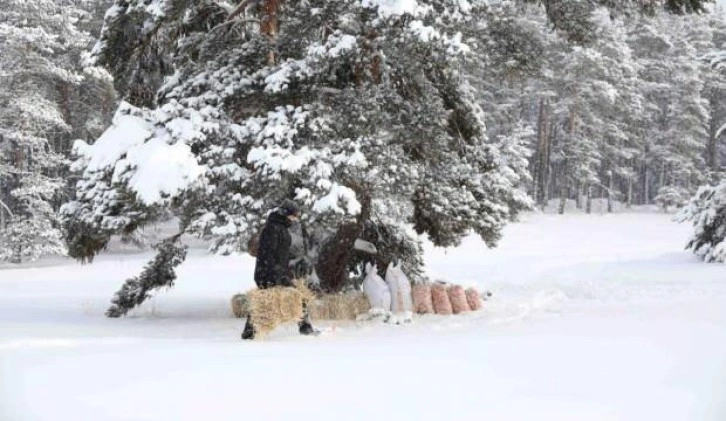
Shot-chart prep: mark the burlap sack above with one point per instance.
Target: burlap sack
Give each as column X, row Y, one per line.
column 474, row 299
column 440, row 299
column 457, row 296
column 422, row 302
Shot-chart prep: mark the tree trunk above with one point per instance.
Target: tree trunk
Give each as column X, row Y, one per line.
column 630, row 193
column 646, row 184
column 568, row 140
column 332, row 265
column 588, row 203
column 542, row 160
column 610, row 192
column 269, row 26
column 579, row 189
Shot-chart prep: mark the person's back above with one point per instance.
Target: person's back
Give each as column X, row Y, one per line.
column 273, row 252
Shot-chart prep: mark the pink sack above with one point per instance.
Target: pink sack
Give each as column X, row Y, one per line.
column 474, row 299
column 422, row 302
column 440, row 299
column 457, row 296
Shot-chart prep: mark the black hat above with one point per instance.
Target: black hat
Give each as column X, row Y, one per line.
column 289, row 207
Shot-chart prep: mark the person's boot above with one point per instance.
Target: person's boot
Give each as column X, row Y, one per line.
column 306, row 328
column 249, row 332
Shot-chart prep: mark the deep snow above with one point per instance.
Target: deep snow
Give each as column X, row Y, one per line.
column 592, row 318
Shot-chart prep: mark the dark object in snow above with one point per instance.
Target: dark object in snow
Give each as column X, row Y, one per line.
column 156, row 274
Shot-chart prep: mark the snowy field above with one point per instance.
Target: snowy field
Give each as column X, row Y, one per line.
column 601, row 317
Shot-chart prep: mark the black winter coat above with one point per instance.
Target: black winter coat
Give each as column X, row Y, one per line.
column 273, row 254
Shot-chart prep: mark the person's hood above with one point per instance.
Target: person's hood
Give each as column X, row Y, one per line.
column 278, row 218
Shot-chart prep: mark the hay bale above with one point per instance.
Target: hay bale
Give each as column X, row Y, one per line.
column 240, row 306
column 272, row 307
column 345, row 306
column 474, row 299
column 422, row 302
column 457, row 296
column 440, row 299
column 360, row 303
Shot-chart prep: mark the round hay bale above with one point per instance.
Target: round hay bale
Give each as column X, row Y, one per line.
column 240, row 306
column 440, row 299
column 422, row 302
column 457, row 296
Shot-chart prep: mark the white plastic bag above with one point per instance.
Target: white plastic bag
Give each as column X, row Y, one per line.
column 400, row 286
column 376, row 290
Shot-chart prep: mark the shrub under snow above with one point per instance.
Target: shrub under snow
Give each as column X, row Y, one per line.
column 707, row 211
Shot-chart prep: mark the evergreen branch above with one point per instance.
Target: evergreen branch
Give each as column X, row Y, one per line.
column 158, row 273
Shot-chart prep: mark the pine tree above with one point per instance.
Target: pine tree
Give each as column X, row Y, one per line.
column 356, row 109
column 707, row 212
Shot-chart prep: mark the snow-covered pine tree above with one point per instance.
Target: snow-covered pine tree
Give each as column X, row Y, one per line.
column 357, row 109
column 707, row 212
column 41, row 46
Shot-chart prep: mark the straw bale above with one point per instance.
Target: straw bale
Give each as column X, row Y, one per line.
column 272, row 307
column 345, row 306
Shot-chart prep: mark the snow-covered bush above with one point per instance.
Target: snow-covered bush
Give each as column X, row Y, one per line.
column 671, row 196
column 707, row 211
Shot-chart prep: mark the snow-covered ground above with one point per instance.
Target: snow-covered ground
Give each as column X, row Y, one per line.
column 600, row 317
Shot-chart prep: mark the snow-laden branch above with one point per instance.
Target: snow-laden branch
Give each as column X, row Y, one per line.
column 7, row 209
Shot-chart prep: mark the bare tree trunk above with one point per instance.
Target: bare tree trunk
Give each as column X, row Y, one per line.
column 588, row 204
column 712, row 145
column 646, row 184
column 579, row 188
column 610, row 191
column 563, row 198
column 549, row 174
column 567, row 139
column 630, row 193
column 542, row 162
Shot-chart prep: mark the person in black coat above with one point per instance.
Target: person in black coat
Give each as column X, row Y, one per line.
column 273, row 257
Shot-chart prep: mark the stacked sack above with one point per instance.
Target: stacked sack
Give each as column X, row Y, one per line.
column 395, row 295
column 442, row 298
